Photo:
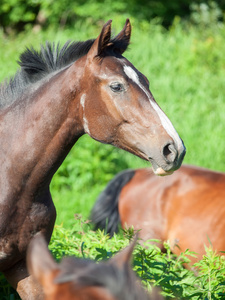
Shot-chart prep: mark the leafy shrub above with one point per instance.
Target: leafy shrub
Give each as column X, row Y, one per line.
column 151, row 265
column 206, row 14
column 16, row 14
column 89, row 164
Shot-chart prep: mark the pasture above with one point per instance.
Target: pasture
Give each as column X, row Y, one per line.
column 186, row 70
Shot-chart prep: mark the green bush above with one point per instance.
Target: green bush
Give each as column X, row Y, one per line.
column 19, row 13
column 89, row 164
column 152, row 266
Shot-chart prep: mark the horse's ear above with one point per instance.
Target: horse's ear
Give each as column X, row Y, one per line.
column 122, row 40
column 124, row 256
column 40, row 262
column 102, row 41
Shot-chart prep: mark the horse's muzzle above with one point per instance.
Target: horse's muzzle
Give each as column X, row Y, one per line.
column 170, row 159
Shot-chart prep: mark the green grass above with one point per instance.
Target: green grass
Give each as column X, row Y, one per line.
column 186, row 69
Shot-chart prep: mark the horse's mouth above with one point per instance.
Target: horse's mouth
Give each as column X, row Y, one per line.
column 160, row 170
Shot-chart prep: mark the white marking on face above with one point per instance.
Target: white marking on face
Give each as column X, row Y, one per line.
column 85, row 121
column 166, row 123
column 3, row 255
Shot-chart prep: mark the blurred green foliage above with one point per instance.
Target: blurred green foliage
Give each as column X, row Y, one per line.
column 90, row 158
column 17, row 14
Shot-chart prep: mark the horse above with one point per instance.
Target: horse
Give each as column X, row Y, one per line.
column 187, row 208
column 58, row 95
column 81, row 279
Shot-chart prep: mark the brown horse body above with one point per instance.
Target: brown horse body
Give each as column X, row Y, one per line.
column 186, row 208
column 56, row 97
column 79, row 279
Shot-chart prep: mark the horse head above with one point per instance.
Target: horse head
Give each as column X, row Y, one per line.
column 118, row 108
column 79, row 279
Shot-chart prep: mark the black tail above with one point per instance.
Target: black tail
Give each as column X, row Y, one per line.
column 105, row 213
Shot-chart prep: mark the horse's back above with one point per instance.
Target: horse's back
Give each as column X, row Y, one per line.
column 140, row 204
column 196, row 216
column 186, row 207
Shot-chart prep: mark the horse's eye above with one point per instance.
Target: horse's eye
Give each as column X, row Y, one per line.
column 117, row 87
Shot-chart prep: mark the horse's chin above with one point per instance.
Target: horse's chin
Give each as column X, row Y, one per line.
column 160, row 172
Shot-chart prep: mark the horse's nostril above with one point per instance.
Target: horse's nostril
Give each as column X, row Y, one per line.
column 166, row 150
column 169, row 152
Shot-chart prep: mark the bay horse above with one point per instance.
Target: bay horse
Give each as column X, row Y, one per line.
column 82, row 279
column 57, row 95
column 187, row 208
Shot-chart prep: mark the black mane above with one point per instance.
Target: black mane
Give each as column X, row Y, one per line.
column 35, row 65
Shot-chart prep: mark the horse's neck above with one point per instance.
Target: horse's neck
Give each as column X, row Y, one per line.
column 36, row 134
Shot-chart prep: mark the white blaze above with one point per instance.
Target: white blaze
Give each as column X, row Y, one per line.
column 166, row 123
column 85, row 121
